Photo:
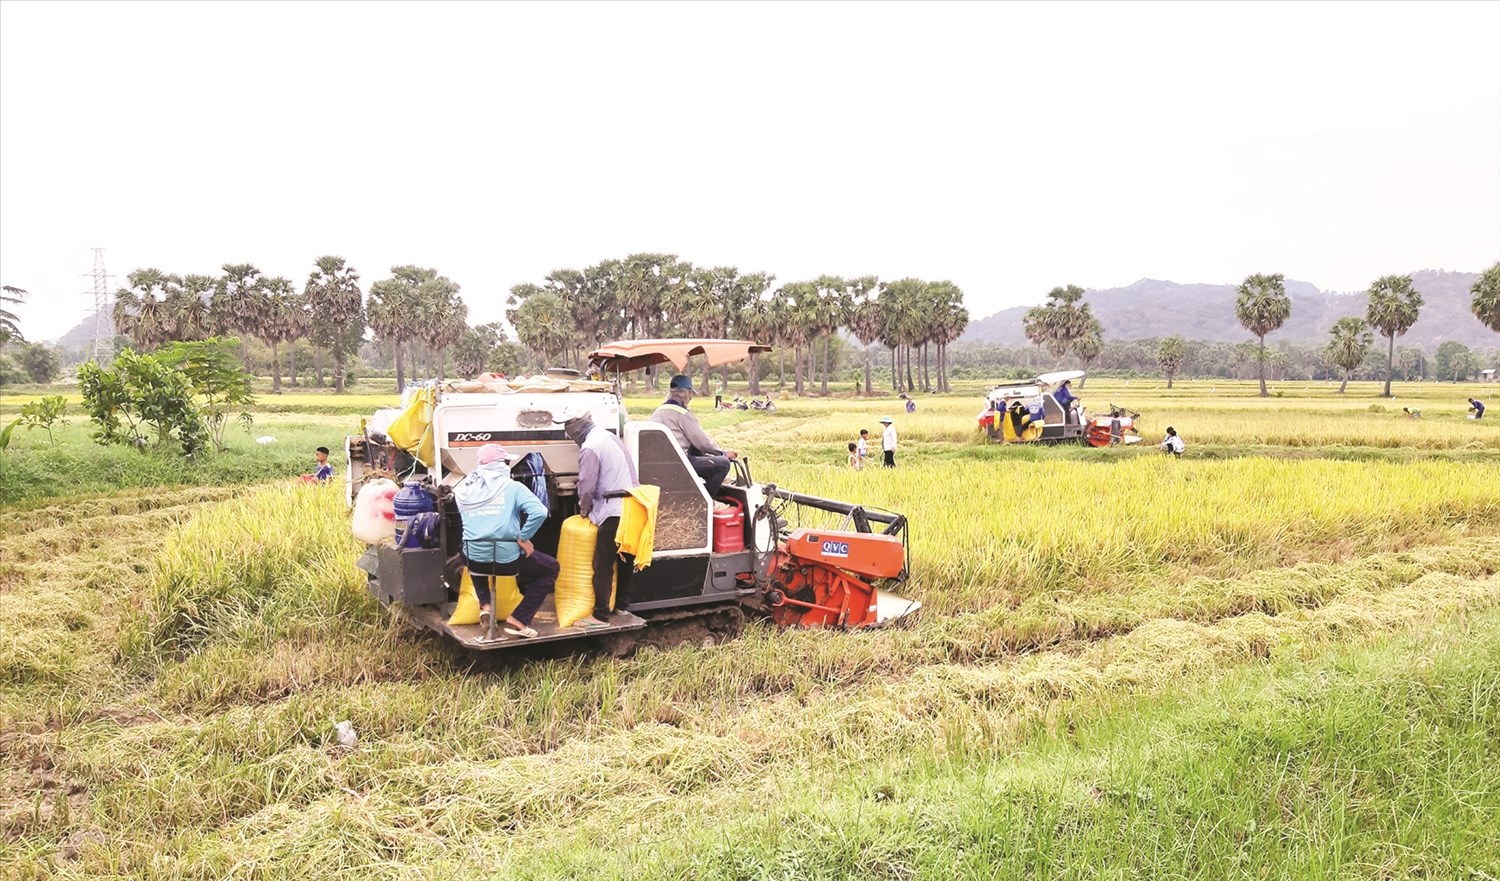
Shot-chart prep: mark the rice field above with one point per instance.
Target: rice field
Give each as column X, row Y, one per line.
column 1275, row 657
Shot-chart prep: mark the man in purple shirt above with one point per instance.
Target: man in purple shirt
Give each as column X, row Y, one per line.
column 605, row 476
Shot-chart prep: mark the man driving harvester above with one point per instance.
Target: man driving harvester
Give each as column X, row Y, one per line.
column 708, row 460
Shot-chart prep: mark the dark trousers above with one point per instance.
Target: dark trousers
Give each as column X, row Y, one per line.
column 535, row 577
column 607, row 561
column 890, row 459
column 713, row 470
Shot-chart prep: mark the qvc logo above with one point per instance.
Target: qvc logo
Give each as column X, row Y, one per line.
column 835, row 549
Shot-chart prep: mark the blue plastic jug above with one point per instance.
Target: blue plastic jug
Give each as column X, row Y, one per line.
column 412, row 499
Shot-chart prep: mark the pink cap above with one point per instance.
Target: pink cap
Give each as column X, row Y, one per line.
column 493, row 453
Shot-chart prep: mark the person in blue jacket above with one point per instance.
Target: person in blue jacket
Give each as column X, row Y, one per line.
column 1064, row 398
column 1477, row 408
column 500, row 517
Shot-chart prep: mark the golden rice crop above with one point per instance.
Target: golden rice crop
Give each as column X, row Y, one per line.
column 986, row 532
column 1061, row 587
column 248, row 565
column 1225, row 414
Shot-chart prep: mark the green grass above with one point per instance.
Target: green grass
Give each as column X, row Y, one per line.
column 32, row 471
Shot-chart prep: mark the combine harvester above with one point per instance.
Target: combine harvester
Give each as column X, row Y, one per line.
column 1040, row 418
column 802, row 560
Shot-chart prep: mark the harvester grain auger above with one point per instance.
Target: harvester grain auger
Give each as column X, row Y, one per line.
column 801, row 560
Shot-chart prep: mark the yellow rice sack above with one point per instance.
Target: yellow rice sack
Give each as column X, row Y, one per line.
column 506, row 596
column 574, row 594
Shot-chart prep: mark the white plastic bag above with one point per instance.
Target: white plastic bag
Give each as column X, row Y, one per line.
column 380, row 421
column 375, row 512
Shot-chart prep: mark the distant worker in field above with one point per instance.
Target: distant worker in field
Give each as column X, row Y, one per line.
column 1477, row 408
column 1411, row 413
column 888, row 442
column 322, row 472
column 708, row 459
column 500, row 517
column 605, row 477
column 1064, row 398
column 855, row 462
column 1173, row 444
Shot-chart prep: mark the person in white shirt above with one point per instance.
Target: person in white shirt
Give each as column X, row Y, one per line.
column 888, row 442
column 862, row 446
column 1173, row 444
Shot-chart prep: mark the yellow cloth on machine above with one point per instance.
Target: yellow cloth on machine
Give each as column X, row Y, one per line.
column 412, row 430
column 504, row 594
column 574, row 593
column 637, row 534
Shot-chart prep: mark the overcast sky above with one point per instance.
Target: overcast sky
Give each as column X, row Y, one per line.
column 1007, row 147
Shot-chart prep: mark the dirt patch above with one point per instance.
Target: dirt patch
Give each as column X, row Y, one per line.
column 35, row 796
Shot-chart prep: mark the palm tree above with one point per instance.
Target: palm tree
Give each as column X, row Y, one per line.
column 1346, row 351
column 901, row 303
column 544, row 325
column 928, row 323
column 1059, row 323
column 1087, row 347
column 442, row 316
column 957, row 325
column 596, row 311
column 1262, row 307
column 336, row 312
column 867, row 322
column 641, row 291
column 802, row 320
column 140, row 310
column 1393, row 308
column 1486, row 302
column 394, row 310
column 644, row 284
column 10, row 325
column 951, row 319
column 187, row 306
column 703, row 314
column 828, row 311
column 712, row 300
column 773, row 313
column 281, row 317
column 1169, row 355
column 299, row 324
column 750, row 319
column 237, row 306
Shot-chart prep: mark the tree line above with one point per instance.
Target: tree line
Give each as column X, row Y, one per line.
column 1064, row 325
column 646, row 295
column 156, row 308
column 419, row 320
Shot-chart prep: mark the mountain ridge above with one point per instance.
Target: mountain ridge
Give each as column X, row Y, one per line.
column 1149, row 308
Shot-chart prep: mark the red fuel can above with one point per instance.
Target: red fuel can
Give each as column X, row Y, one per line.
column 729, row 528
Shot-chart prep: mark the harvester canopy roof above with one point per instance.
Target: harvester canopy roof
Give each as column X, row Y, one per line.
column 1059, row 377
column 627, row 355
